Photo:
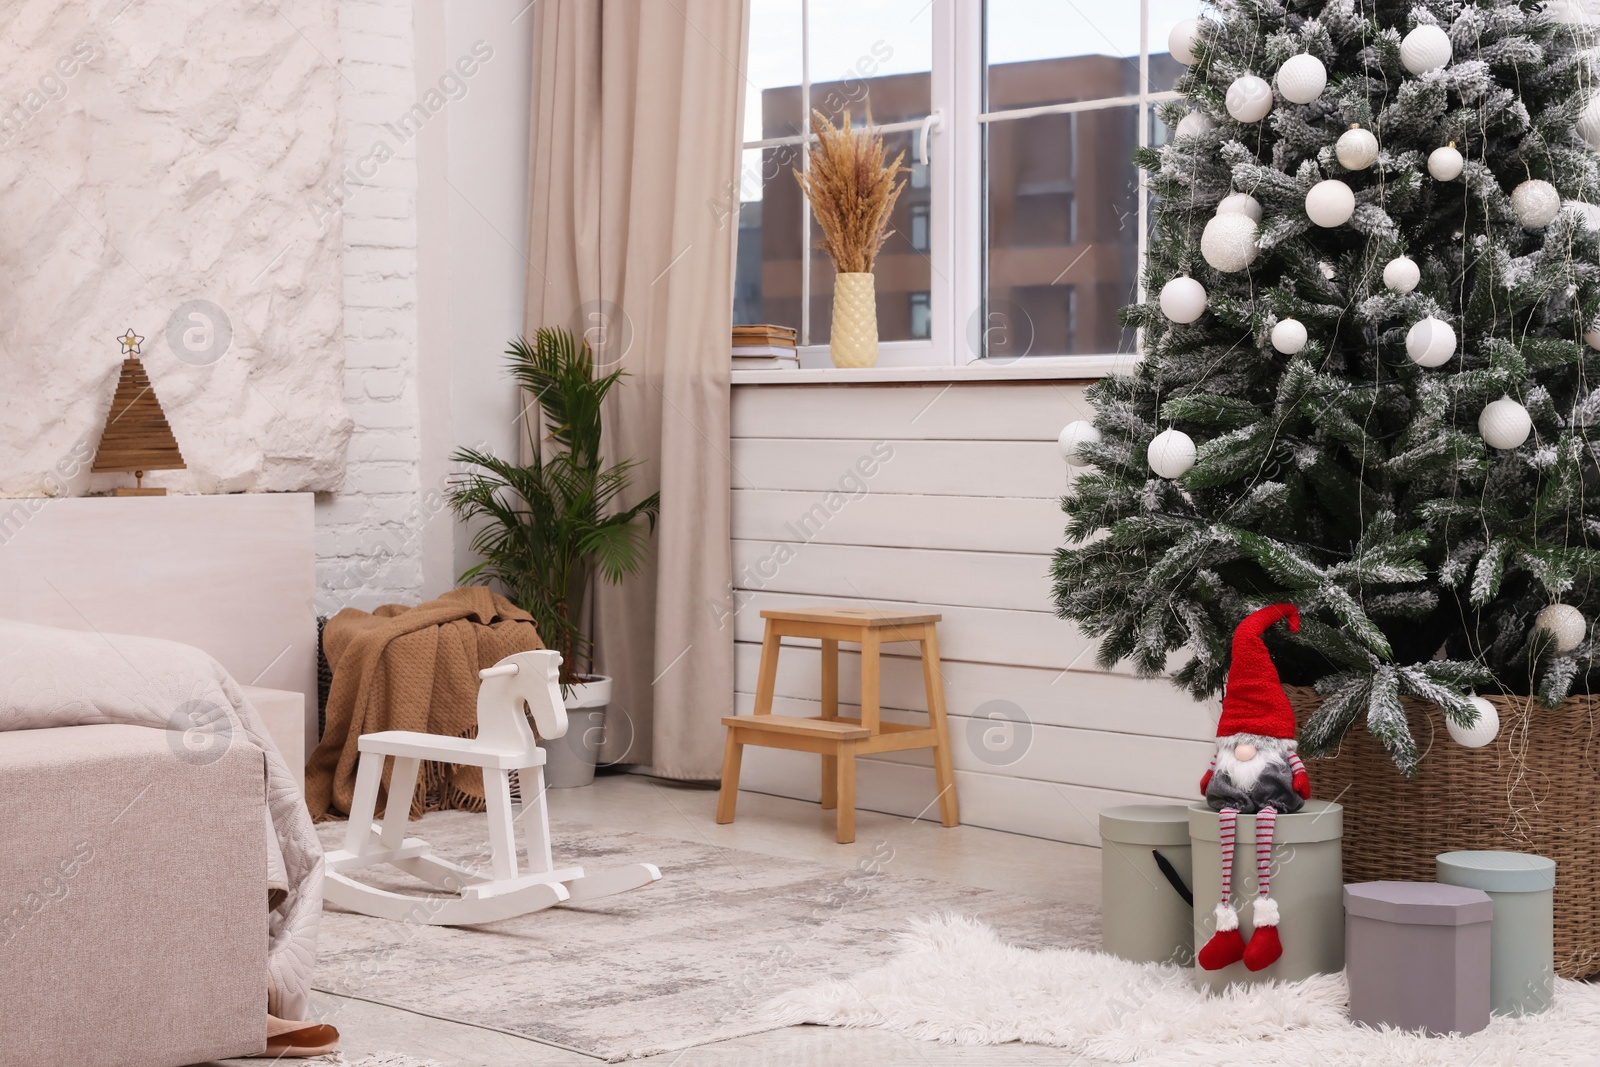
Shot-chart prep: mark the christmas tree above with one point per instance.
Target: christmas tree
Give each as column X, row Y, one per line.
column 1371, row 384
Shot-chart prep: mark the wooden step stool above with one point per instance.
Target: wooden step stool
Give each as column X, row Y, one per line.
column 839, row 740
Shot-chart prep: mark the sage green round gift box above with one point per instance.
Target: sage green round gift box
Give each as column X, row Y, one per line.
column 1307, row 883
column 1144, row 916
column 1522, row 952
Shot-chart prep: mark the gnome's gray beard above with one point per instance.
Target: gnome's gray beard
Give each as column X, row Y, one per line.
column 1245, row 773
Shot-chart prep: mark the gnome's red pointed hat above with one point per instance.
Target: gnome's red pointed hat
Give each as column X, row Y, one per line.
column 1254, row 701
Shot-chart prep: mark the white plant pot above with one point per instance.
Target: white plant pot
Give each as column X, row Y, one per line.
column 570, row 759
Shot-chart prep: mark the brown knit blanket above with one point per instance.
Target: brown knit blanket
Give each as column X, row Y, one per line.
column 403, row 668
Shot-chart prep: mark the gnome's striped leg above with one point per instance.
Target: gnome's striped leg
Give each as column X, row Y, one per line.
column 1265, row 946
column 1227, row 944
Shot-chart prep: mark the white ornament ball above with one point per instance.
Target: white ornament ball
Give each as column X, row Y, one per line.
column 1588, row 214
column 1228, row 243
column 1591, row 336
column 1249, row 99
column 1302, row 78
column 1181, row 39
column 1289, row 336
column 1241, row 204
column 1504, row 424
column 1171, row 453
column 1194, row 124
column 1566, row 626
column 1081, row 432
column 1568, row 12
column 1445, row 163
column 1535, row 203
column 1431, row 342
column 1425, row 48
column 1356, row 149
column 1183, row 299
column 1479, row 733
column 1589, row 122
column 1402, row 274
column 1330, row 203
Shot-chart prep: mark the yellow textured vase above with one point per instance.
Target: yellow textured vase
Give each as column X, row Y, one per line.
column 854, row 342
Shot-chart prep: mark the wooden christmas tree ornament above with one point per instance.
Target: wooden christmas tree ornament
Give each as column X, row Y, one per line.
column 137, row 436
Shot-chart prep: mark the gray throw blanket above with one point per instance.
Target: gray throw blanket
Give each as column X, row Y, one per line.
column 51, row 677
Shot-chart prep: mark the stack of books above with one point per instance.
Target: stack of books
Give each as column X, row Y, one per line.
column 764, row 348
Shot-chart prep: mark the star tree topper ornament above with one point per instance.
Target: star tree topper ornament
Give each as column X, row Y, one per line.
column 1255, row 772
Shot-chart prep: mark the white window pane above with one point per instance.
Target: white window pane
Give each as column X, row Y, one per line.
column 1034, row 58
column 767, row 279
column 1022, row 30
column 1062, row 234
column 775, row 59
column 921, row 315
column 871, row 54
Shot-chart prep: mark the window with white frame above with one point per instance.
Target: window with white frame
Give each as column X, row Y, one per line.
column 1023, row 223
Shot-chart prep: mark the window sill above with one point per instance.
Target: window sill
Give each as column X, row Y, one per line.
column 1033, row 369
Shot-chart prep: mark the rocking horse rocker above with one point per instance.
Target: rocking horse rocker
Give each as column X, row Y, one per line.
column 505, row 743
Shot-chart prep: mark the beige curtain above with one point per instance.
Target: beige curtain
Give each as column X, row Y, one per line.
column 633, row 219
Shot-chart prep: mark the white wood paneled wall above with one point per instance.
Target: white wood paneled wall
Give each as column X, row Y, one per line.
column 945, row 497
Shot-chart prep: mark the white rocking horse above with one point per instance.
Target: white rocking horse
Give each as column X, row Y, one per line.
column 504, row 744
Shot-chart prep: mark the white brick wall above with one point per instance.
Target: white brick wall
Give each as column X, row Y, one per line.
column 369, row 533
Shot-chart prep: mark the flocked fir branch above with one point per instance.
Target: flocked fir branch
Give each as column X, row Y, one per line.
column 1343, row 476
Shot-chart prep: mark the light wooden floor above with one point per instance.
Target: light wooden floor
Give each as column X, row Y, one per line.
column 922, row 848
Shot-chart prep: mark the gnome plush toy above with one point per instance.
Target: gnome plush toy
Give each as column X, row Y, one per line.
column 1255, row 771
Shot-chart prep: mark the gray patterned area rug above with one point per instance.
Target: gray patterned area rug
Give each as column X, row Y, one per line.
column 684, row 962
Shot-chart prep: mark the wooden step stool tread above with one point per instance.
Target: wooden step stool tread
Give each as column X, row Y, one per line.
column 788, row 724
column 850, row 616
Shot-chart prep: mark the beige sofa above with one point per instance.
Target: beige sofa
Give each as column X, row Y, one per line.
column 133, row 915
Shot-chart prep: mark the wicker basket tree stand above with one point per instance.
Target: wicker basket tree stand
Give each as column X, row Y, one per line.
column 1535, row 788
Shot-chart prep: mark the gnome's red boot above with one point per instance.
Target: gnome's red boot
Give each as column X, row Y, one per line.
column 1226, row 946
column 1265, row 947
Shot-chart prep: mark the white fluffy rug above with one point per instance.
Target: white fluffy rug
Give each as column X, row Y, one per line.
column 956, row 982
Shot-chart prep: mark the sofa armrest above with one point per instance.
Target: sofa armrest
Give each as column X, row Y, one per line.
column 133, row 898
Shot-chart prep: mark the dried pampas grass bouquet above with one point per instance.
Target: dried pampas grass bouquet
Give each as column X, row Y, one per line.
column 852, row 191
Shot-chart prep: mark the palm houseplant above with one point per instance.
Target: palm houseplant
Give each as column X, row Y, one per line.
column 547, row 528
